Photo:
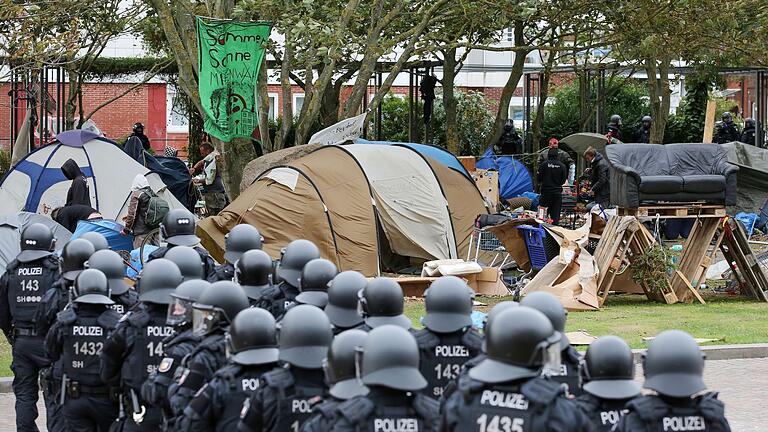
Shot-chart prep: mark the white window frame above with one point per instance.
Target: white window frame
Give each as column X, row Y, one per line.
column 170, row 93
column 274, row 106
column 296, row 109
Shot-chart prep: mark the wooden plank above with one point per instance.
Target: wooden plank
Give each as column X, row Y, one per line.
column 675, row 211
column 693, row 290
column 709, row 121
column 694, row 252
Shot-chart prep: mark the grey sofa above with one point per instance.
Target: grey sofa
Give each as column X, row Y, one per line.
column 651, row 173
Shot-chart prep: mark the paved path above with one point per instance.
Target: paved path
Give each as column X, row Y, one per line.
column 742, row 385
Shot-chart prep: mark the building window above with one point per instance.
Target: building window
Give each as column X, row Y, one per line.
column 176, row 114
column 273, row 106
column 298, row 103
column 509, row 35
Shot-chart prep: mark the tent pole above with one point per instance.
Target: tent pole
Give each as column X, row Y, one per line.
column 379, row 113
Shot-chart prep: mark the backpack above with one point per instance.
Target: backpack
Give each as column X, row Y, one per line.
column 156, row 210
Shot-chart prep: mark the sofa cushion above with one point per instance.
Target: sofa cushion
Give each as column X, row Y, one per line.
column 662, row 184
column 703, row 183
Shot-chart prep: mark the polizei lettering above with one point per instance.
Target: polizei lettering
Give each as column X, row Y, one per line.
column 30, row 271
column 504, row 400
column 159, row 331
column 611, row 417
column 451, row 351
column 249, row 384
column 396, row 425
column 87, row 331
column 682, row 424
column 301, row 406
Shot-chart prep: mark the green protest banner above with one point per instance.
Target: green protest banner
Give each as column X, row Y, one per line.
column 230, row 54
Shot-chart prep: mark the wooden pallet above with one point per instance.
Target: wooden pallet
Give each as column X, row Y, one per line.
column 747, row 271
column 675, row 211
column 642, row 242
column 698, row 254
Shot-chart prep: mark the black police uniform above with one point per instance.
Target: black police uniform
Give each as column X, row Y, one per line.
column 284, row 401
column 385, row 410
column 223, row 272
column 22, row 288
column 125, row 301
column 196, row 369
column 535, row 404
column 277, row 299
column 208, row 263
column 748, row 134
column 644, row 135
column 726, row 132
column 443, row 355
column 218, row 404
column 131, row 353
column 324, row 416
column 660, row 413
column 155, row 389
column 54, row 301
column 570, row 370
column 77, row 338
column 603, row 414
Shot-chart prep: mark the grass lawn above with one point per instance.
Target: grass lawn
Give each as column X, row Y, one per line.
column 731, row 320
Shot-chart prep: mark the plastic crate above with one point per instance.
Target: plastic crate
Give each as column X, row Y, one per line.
column 534, row 242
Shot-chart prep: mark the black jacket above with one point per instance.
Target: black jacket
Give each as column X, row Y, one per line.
column 78, row 192
column 644, row 135
column 601, row 180
column 748, row 136
column 144, row 140
column 551, row 176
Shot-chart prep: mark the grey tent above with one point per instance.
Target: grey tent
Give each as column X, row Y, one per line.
column 752, row 181
column 580, row 142
column 11, row 227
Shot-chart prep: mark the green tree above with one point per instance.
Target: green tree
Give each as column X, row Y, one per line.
column 474, row 122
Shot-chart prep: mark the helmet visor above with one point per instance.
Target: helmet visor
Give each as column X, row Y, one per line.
column 179, row 312
column 203, row 321
column 552, row 358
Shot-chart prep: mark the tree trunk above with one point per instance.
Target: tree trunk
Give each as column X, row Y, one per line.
column 235, row 155
column 585, row 107
column 285, row 85
column 71, row 104
column 538, row 121
column 660, row 95
column 502, row 114
column 449, row 101
column 261, row 86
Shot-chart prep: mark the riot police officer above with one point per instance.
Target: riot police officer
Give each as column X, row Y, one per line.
column 342, row 308
column 155, row 389
column 674, row 369
column 314, row 282
column 278, row 298
column 253, row 272
column 748, row 134
column 609, row 371
column 187, row 260
column 644, row 132
column 341, row 374
column 135, row 348
column 241, row 239
column 726, row 130
column 22, row 287
column 448, row 339
column 98, row 241
column 569, row 372
column 614, row 127
column 252, row 352
column 213, row 313
column 506, row 390
column 390, row 370
column 77, row 339
column 178, row 229
column 111, row 264
column 381, row 302
column 287, row 395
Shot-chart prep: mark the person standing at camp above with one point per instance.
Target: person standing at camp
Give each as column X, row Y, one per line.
column 614, row 128
column 135, row 221
column 551, row 176
column 26, row 279
column 138, row 131
column 601, row 185
column 562, row 156
column 644, row 132
column 213, row 186
column 69, row 216
column 748, row 134
column 79, row 192
column 726, row 130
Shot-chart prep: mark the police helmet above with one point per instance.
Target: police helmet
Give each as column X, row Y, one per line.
column 448, row 301
column 342, row 308
column 551, row 307
column 609, row 369
column 98, row 241
column 112, row 265
column 91, row 287
column 253, row 271
column 182, row 298
column 727, row 117
column 242, row 238
column 517, row 344
column 217, row 306
column 178, row 228
column 138, row 127
column 674, row 365
column 314, row 282
column 381, row 302
column 252, row 339
column 187, row 260
column 750, row 123
column 495, row 311
column 616, row 120
column 646, row 119
column 340, row 366
column 158, row 280
column 73, row 257
column 391, row 359
column 294, row 257
column 37, row 241
column 304, row 336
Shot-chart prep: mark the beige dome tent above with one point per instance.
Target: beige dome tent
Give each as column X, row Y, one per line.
column 358, row 203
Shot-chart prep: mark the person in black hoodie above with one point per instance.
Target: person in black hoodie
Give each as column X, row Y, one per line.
column 70, row 215
column 601, row 186
column 552, row 175
column 78, row 192
column 138, row 131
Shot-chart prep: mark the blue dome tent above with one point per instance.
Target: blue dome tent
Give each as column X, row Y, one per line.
column 514, row 178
